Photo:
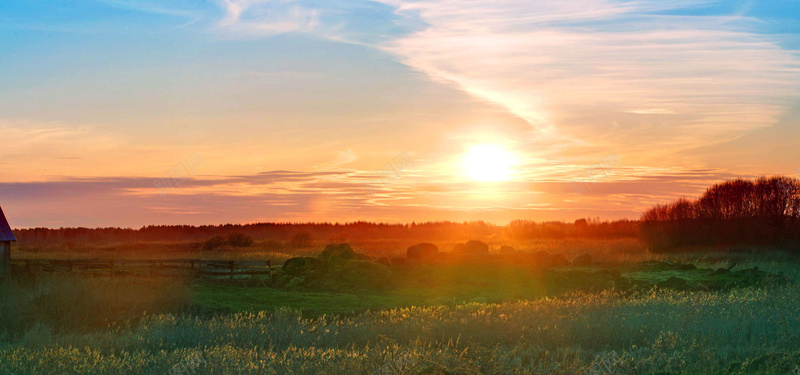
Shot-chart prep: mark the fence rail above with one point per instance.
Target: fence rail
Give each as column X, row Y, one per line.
column 199, row 268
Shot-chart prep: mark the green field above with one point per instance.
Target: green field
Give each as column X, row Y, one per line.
column 432, row 285
column 615, row 318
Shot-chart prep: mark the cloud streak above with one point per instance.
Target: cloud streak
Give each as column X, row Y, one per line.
column 574, row 68
column 338, row 195
column 569, row 66
column 267, row 17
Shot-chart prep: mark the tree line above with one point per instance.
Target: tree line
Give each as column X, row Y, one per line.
column 765, row 210
column 301, row 234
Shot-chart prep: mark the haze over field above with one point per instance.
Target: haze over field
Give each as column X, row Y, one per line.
column 295, row 110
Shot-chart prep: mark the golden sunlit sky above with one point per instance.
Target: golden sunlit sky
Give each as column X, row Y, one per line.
column 130, row 113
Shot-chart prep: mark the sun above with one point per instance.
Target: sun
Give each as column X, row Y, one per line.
column 488, row 163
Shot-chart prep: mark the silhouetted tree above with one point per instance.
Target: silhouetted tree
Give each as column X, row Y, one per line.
column 761, row 211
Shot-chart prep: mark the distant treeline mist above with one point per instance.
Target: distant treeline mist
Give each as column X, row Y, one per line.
column 333, row 232
column 737, row 212
column 764, row 211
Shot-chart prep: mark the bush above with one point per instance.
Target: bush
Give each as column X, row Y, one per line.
column 213, row 242
column 300, row 265
column 422, row 250
column 337, row 255
column 505, row 249
column 239, row 240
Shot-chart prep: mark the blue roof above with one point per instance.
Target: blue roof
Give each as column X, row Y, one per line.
column 5, row 230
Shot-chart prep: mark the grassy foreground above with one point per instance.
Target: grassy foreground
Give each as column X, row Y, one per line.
column 63, row 324
column 743, row 331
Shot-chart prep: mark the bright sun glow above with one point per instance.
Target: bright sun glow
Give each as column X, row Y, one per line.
column 488, row 163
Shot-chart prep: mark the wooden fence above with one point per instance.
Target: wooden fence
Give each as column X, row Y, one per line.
column 198, row 268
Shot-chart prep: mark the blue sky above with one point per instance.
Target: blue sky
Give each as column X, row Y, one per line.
column 100, row 98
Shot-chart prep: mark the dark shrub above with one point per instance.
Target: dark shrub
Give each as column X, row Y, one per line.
column 300, row 266
column 422, row 250
column 213, row 242
column 337, row 255
column 337, row 250
column 293, row 266
column 295, row 282
column 239, row 240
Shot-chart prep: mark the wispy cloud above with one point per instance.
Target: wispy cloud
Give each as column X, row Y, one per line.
column 148, row 6
column 267, row 17
column 27, row 140
column 574, row 66
column 361, row 22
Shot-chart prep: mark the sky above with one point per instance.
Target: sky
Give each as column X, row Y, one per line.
column 130, row 113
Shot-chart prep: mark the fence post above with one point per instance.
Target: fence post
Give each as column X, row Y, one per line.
column 5, row 259
column 231, row 270
column 269, row 271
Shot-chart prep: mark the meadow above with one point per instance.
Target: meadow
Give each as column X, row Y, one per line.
column 463, row 318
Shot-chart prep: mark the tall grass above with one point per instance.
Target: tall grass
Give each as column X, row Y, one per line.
column 739, row 332
column 63, row 324
column 43, row 305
